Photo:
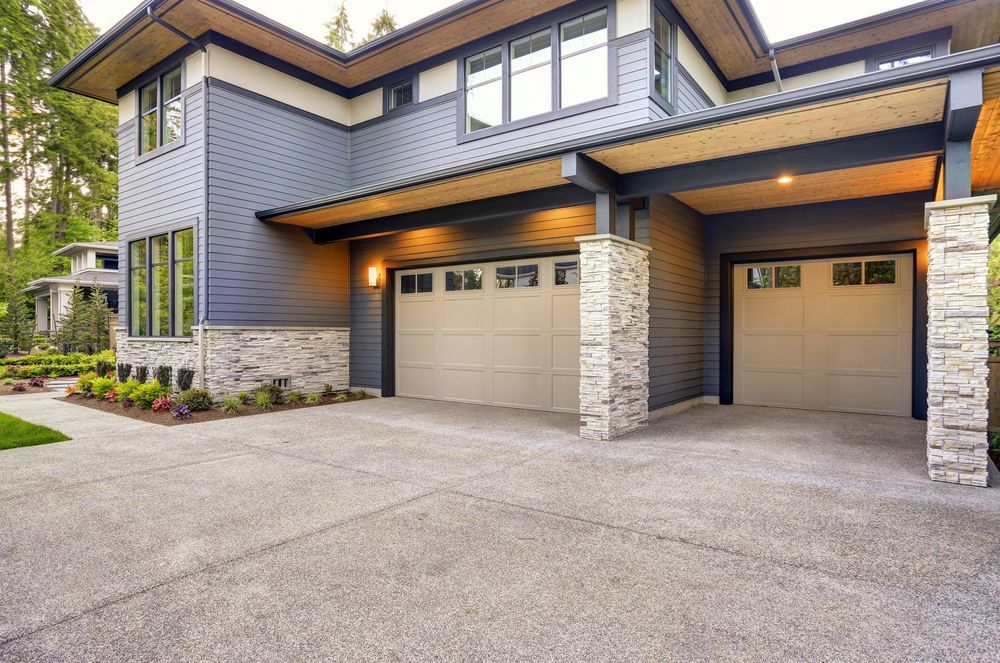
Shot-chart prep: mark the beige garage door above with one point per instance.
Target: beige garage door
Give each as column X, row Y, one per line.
column 825, row 335
column 496, row 333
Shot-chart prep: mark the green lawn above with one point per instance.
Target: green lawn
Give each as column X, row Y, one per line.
column 16, row 432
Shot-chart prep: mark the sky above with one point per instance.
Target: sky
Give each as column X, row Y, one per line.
column 781, row 19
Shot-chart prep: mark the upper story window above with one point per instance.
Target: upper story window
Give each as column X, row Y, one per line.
column 583, row 66
column 531, row 75
column 107, row 261
column 400, row 95
column 661, row 55
column 484, row 90
column 160, row 113
column 161, row 285
column 913, row 57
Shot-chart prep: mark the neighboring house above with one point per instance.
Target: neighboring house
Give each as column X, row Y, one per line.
column 617, row 208
column 90, row 263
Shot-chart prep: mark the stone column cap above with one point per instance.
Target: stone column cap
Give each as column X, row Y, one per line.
column 989, row 201
column 614, row 238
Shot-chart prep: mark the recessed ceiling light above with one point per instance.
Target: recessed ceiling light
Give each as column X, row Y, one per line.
column 785, row 179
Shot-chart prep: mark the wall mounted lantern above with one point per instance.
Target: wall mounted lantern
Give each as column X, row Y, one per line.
column 373, row 277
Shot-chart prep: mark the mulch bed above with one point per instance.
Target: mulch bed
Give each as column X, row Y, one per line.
column 166, row 419
column 8, row 389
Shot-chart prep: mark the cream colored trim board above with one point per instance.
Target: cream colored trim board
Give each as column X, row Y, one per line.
column 696, row 67
column 632, row 16
column 126, row 108
column 439, row 81
column 366, row 106
column 683, row 406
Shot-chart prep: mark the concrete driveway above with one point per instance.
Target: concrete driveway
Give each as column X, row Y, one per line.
column 416, row 530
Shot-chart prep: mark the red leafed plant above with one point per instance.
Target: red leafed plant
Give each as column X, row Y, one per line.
column 163, row 404
column 111, row 396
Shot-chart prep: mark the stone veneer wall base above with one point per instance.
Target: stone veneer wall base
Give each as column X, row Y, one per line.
column 957, row 344
column 614, row 336
column 241, row 358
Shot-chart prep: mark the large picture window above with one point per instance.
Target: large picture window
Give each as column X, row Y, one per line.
column 160, row 113
column 161, row 285
column 531, row 75
column 484, row 90
column 583, row 63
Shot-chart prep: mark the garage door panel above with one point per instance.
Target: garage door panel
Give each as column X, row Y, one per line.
column 832, row 341
column 774, row 350
column 517, row 346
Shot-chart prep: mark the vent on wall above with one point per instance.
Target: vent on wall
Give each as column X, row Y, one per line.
column 284, row 383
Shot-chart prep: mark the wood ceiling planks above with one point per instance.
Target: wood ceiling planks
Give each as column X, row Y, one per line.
column 863, row 182
column 480, row 186
column 986, row 149
column 920, row 103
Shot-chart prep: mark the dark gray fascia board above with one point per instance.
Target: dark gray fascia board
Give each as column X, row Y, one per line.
column 878, row 80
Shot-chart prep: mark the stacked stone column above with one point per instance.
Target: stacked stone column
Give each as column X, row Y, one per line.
column 957, row 343
column 614, row 336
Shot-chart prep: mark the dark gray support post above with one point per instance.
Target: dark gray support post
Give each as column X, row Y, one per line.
column 965, row 100
column 606, row 213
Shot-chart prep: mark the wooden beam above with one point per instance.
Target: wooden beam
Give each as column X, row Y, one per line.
column 591, row 175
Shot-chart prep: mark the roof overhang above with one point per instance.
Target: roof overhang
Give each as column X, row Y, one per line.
column 878, row 102
column 76, row 247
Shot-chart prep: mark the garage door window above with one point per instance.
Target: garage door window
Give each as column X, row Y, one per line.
column 519, row 276
column 880, row 272
column 864, row 272
column 410, row 284
column 776, row 276
column 463, row 279
column 567, row 273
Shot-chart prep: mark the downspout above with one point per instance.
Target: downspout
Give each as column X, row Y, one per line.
column 774, row 70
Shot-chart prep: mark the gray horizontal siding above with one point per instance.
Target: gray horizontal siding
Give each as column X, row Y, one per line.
column 884, row 219
column 690, row 97
column 162, row 193
column 676, row 236
column 551, row 231
column 261, row 156
column 426, row 140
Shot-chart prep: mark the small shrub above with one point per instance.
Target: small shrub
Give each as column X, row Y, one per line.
column 294, row 397
column 263, row 399
column 101, row 386
column 274, row 392
column 104, row 368
column 185, row 378
column 36, row 382
column 86, row 381
column 164, row 375
column 244, row 397
column 142, row 373
column 70, row 390
column 127, row 388
column 124, row 372
column 359, row 393
column 198, row 400
column 111, row 396
column 89, row 395
column 314, row 398
column 146, row 393
column 20, row 386
column 327, row 389
column 231, row 404
column 182, row 411
column 8, row 380
column 163, row 404
column 341, row 397
column 127, row 403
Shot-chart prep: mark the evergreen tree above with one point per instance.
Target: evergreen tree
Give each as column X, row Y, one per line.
column 98, row 315
column 16, row 323
column 74, row 323
column 383, row 24
column 339, row 30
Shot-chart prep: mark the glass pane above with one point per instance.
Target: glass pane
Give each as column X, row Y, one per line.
column 159, row 301
column 787, row 276
column 137, row 254
column 408, row 284
column 913, row 58
column 183, row 297
column 172, row 84
column 425, row 283
column 184, row 244
column 172, row 120
column 531, row 92
column 661, row 31
column 506, row 276
column 584, row 77
column 880, row 272
column 474, row 279
column 531, row 50
column 661, row 73
column 483, row 67
column 161, row 248
column 484, row 106
column 758, row 277
column 147, row 132
column 147, row 97
column 453, row 281
column 584, row 32
column 527, row 276
column 847, row 273
column 567, row 273
column 137, row 302
column 400, row 95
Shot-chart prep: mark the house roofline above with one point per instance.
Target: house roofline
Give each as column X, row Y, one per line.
column 72, row 248
column 869, row 82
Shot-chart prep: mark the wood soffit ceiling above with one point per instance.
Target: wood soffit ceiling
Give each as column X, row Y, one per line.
column 863, row 182
column 728, row 37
